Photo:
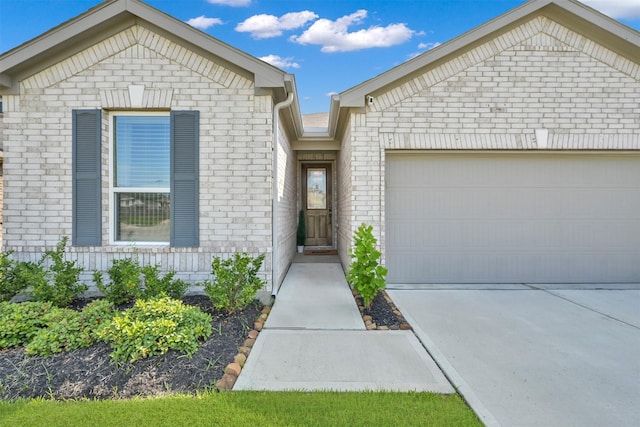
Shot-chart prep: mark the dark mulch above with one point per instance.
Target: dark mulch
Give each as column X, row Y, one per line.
column 90, row 373
column 382, row 311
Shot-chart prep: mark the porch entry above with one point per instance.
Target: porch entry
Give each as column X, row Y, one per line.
column 316, row 203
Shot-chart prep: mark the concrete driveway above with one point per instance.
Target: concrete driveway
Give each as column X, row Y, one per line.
column 526, row 356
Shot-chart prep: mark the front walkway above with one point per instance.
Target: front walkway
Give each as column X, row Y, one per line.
column 315, row 296
column 314, row 339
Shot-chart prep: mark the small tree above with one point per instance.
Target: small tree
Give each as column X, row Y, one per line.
column 301, row 234
column 365, row 274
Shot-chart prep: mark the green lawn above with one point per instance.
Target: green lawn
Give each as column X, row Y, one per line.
column 247, row 409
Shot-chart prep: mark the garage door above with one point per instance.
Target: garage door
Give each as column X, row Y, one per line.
column 505, row 218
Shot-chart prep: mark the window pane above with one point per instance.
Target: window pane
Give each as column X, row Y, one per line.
column 142, row 151
column 316, row 188
column 142, row 217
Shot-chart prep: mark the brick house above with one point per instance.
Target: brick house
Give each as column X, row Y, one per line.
column 509, row 154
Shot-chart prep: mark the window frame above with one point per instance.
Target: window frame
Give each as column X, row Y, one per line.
column 114, row 191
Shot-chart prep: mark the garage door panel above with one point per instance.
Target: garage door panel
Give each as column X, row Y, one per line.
column 510, row 235
column 511, row 268
column 478, row 218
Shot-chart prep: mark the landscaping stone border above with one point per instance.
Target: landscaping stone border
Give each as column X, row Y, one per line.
column 370, row 320
column 233, row 369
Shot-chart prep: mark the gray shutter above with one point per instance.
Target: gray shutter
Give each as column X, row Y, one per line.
column 185, row 129
column 86, row 187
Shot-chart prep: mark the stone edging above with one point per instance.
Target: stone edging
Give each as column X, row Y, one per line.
column 368, row 321
column 233, row 369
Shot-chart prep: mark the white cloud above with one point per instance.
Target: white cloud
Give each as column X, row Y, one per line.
column 423, row 47
column 330, row 94
column 202, row 22
column 232, row 3
column 629, row 9
column 280, row 62
column 428, row 46
column 335, row 37
column 265, row 26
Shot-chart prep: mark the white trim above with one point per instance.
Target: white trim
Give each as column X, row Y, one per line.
column 136, row 93
column 113, row 190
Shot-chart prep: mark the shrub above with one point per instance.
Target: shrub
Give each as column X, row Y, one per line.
column 365, row 274
column 9, row 286
column 156, row 286
column 60, row 284
column 129, row 280
column 69, row 329
column 153, row 327
column 235, row 282
column 19, row 323
column 124, row 284
column 30, row 275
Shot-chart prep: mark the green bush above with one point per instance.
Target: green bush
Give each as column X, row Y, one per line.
column 235, row 282
column 129, row 280
column 156, row 286
column 60, row 283
column 9, row 286
column 69, row 329
column 153, row 327
column 124, row 285
column 19, row 323
column 365, row 274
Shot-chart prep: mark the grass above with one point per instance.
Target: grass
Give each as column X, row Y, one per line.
column 247, row 409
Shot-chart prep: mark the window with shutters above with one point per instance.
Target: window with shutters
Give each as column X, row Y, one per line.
column 140, row 178
column 153, row 178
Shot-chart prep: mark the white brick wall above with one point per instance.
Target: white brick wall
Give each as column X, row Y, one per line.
column 287, row 204
column 235, row 155
column 538, row 75
column 345, row 201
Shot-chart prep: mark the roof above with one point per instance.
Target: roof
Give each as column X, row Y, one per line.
column 316, row 122
column 113, row 16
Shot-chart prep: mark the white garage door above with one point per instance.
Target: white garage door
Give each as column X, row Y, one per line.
column 512, row 218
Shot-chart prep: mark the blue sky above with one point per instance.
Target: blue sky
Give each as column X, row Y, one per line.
column 330, row 45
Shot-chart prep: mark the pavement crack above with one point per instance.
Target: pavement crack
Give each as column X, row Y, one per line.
column 593, row 310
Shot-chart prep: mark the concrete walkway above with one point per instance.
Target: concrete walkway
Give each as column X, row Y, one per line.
column 315, row 296
column 534, row 356
column 314, row 339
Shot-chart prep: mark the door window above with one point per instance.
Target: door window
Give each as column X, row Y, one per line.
column 316, row 188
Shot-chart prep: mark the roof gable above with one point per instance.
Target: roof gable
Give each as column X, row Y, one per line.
column 114, row 16
column 569, row 13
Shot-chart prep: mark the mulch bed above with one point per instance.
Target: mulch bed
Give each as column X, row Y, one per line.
column 382, row 314
column 90, row 373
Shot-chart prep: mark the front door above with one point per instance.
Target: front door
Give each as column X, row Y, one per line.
column 316, row 202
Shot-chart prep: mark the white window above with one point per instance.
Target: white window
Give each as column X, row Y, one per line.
column 140, row 178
